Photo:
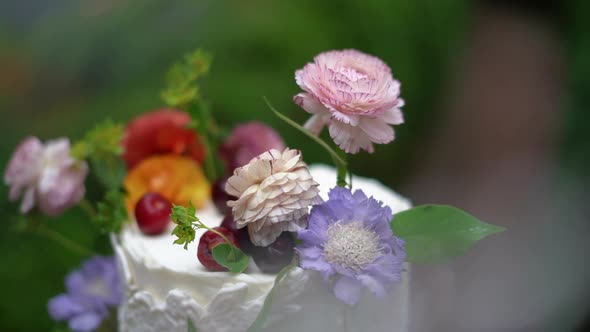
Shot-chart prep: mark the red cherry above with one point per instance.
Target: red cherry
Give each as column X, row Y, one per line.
column 208, row 241
column 241, row 234
column 152, row 213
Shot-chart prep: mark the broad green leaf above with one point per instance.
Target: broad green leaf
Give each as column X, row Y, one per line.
column 191, row 326
column 265, row 311
column 230, row 257
column 438, row 232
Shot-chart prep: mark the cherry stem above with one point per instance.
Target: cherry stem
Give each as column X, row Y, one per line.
column 218, row 233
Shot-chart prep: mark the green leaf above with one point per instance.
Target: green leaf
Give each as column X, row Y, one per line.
column 184, row 217
column 109, row 170
column 230, row 257
column 266, row 307
column 181, row 80
column 103, row 141
column 439, row 232
column 185, row 234
column 191, row 326
column 111, row 212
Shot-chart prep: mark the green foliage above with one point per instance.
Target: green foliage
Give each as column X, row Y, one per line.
column 181, row 88
column 438, row 232
column 231, row 257
column 111, row 212
column 101, row 146
column 110, row 171
column 225, row 254
column 101, row 142
column 184, row 217
column 191, row 326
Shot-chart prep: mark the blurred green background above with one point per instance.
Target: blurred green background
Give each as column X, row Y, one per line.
column 67, row 64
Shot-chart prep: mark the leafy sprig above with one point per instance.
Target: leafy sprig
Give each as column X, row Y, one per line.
column 225, row 254
column 111, row 213
column 181, row 79
column 101, row 142
column 101, row 146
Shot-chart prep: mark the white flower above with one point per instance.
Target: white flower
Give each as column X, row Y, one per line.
column 48, row 175
column 275, row 191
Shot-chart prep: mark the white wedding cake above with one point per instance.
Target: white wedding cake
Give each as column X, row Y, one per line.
column 166, row 286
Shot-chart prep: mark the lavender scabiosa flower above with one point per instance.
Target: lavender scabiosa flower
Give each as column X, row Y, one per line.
column 354, row 94
column 91, row 291
column 48, row 175
column 349, row 241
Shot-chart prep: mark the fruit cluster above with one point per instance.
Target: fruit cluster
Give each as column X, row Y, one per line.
column 152, row 211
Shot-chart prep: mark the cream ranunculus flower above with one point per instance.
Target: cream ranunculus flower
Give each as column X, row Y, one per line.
column 275, row 191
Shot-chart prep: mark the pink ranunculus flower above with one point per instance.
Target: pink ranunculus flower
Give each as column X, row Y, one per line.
column 49, row 177
column 354, row 94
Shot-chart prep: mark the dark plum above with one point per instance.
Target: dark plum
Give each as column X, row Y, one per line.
column 272, row 258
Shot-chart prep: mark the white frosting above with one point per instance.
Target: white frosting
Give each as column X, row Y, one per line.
column 167, row 285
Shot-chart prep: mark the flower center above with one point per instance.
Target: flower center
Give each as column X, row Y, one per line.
column 98, row 288
column 351, row 245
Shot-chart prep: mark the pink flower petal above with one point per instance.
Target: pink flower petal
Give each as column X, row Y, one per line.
column 392, row 116
column 350, row 139
column 358, row 90
column 316, row 123
column 28, row 200
column 377, row 130
column 24, row 166
column 309, row 104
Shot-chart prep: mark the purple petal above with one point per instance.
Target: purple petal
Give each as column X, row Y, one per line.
column 309, row 252
column 312, row 236
column 76, row 283
column 373, row 284
column 386, row 269
column 311, row 259
column 340, row 193
column 85, row 322
column 63, row 307
column 347, row 290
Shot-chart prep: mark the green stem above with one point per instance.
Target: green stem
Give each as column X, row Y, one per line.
column 218, row 233
column 339, row 162
column 88, row 208
column 51, row 234
column 209, row 162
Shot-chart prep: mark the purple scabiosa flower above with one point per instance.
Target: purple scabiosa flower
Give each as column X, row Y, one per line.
column 91, row 291
column 349, row 241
